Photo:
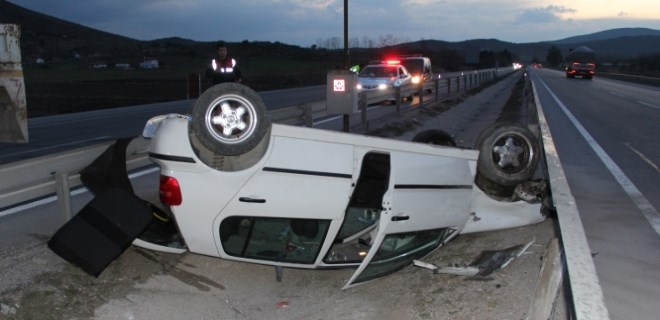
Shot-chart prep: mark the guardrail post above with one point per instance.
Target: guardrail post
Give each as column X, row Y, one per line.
column 307, row 114
column 362, row 104
column 436, row 83
column 63, row 195
column 420, row 92
column 397, row 96
column 448, row 87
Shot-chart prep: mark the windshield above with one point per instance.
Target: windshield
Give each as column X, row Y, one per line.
column 378, row 72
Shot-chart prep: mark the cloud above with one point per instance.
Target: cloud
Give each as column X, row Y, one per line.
column 545, row 15
column 622, row 14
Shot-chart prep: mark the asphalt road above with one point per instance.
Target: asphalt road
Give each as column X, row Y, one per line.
column 606, row 133
column 64, row 132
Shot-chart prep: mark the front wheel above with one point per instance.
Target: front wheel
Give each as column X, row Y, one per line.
column 508, row 154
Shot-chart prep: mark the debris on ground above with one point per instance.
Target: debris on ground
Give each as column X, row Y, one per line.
column 487, row 262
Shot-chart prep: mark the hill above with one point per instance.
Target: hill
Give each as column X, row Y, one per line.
column 46, row 35
column 608, row 35
column 65, row 82
column 58, row 39
column 615, row 44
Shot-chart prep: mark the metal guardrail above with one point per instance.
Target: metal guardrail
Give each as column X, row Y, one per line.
column 442, row 87
column 35, row 178
column 652, row 81
column 587, row 300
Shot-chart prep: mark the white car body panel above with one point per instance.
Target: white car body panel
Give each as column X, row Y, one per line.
column 311, row 174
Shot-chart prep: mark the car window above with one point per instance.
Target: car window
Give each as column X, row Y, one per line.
column 363, row 213
column 399, row 250
column 413, row 65
column 274, row 239
column 378, row 72
column 354, row 238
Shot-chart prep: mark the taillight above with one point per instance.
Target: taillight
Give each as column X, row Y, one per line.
column 169, row 191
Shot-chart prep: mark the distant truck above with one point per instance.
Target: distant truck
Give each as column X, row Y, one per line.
column 581, row 62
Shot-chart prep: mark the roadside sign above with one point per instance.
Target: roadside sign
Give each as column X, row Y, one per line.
column 341, row 92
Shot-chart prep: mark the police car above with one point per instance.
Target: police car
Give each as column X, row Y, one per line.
column 384, row 76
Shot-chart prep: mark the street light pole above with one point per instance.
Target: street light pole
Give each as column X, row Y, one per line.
column 346, row 57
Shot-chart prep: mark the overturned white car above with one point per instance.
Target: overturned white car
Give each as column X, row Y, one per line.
column 243, row 189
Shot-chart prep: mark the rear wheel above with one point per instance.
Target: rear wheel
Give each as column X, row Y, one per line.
column 229, row 119
column 508, row 154
column 436, row 137
column 229, row 128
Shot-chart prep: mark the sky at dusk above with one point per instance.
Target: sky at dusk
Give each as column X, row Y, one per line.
column 305, row 22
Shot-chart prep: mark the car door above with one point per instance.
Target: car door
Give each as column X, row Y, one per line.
column 427, row 202
column 283, row 213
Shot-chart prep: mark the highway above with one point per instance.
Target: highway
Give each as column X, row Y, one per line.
column 68, row 131
column 606, row 133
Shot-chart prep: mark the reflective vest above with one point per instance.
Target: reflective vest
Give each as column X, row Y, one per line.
column 225, row 66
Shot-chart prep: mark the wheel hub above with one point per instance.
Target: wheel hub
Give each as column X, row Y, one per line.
column 230, row 119
column 508, row 153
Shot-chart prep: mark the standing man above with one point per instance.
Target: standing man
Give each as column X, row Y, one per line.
column 223, row 67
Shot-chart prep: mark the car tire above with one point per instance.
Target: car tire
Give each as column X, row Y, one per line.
column 229, row 119
column 436, row 137
column 508, row 154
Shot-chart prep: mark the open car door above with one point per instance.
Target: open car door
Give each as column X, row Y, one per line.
column 422, row 209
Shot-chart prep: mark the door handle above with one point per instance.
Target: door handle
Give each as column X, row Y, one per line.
column 400, row 218
column 251, row 200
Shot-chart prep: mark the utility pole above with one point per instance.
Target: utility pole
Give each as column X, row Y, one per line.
column 347, row 121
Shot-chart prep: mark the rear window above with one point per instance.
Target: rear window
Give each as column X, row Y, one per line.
column 413, row 65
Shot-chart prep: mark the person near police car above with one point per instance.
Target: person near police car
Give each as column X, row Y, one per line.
column 223, row 67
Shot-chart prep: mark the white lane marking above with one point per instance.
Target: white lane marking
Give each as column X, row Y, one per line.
column 650, row 213
column 75, row 192
column 648, row 104
column 641, row 155
column 326, row 120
